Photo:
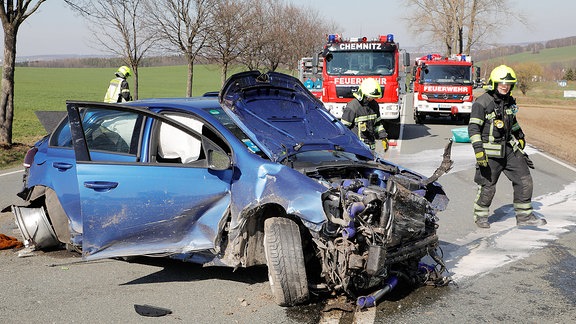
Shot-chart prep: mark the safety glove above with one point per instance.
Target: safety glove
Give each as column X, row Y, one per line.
column 481, row 158
column 385, row 145
column 521, row 143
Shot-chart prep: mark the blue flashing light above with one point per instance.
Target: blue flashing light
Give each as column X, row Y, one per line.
column 390, row 38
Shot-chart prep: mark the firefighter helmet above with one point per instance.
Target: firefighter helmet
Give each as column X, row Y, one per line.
column 502, row 74
column 123, row 72
column 369, row 88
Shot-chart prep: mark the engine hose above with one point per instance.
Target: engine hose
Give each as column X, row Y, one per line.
column 370, row 300
column 350, row 230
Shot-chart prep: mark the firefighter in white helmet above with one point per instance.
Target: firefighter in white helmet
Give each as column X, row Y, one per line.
column 498, row 143
column 362, row 114
column 118, row 90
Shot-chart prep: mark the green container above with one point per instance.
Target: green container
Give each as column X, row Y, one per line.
column 460, row 135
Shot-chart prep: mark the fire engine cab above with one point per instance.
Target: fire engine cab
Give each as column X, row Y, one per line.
column 443, row 86
column 345, row 63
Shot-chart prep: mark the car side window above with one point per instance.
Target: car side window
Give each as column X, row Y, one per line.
column 111, row 130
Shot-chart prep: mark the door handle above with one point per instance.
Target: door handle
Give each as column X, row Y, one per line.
column 101, row 186
column 62, row 166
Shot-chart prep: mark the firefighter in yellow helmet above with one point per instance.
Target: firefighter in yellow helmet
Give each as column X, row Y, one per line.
column 498, row 143
column 118, row 90
column 362, row 114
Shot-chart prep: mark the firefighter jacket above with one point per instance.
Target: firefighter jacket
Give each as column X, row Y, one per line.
column 363, row 118
column 118, row 91
column 493, row 124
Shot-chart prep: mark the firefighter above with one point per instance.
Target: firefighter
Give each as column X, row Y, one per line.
column 362, row 114
column 498, row 143
column 118, row 90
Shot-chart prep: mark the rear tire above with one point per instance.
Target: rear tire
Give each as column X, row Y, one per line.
column 285, row 260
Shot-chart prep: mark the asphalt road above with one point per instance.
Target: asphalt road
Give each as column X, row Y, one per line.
column 501, row 274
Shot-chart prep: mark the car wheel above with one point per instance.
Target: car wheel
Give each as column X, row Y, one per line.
column 285, row 260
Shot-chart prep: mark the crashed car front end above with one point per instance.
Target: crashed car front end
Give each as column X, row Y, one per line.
column 381, row 221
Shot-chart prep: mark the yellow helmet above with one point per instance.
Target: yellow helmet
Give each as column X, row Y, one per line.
column 502, row 74
column 369, row 88
column 123, row 71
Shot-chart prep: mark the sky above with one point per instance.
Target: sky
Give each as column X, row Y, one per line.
column 56, row 30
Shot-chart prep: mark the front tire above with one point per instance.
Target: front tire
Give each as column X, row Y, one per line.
column 285, row 260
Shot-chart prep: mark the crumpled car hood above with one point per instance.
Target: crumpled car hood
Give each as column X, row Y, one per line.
column 298, row 123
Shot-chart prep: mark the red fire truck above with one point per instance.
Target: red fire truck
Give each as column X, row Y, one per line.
column 344, row 63
column 443, row 87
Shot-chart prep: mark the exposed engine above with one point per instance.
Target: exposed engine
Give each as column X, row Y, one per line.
column 381, row 223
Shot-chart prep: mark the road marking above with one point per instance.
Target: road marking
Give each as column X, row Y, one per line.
column 10, row 173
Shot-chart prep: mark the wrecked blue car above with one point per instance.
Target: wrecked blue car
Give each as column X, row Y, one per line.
column 260, row 175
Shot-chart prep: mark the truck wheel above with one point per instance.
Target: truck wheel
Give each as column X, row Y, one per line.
column 285, row 260
column 418, row 118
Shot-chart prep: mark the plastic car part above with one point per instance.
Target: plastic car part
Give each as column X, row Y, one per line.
column 285, row 260
column 151, row 311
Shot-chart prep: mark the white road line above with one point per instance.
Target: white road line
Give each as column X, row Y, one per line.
column 10, row 173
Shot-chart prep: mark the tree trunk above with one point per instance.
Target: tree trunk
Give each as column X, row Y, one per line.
column 190, row 80
column 7, row 95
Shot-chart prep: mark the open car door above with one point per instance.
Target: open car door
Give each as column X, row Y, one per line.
column 142, row 206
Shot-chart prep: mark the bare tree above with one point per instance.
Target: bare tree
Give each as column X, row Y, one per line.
column 527, row 73
column 457, row 25
column 12, row 13
column 228, row 37
column 282, row 33
column 118, row 28
column 182, row 25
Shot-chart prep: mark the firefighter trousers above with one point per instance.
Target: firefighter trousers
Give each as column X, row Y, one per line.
column 514, row 166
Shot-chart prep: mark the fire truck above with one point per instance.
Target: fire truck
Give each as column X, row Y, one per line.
column 443, row 86
column 344, row 63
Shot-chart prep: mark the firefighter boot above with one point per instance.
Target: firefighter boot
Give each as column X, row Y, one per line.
column 530, row 220
column 481, row 216
column 482, row 222
column 525, row 215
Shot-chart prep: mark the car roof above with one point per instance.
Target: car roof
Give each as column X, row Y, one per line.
column 184, row 103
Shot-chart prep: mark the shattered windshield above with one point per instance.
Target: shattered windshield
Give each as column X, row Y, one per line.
column 360, row 63
column 446, row 74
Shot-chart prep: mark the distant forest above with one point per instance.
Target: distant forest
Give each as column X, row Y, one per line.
column 103, row 62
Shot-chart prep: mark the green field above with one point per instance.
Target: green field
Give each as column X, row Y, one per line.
column 544, row 57
column 49, row 88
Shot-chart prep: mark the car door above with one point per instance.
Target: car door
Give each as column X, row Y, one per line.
column 145, row 207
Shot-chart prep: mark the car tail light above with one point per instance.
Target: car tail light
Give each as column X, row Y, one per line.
column 29, row 158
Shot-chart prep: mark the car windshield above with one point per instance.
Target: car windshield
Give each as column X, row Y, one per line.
column 360, row 63
column 446, row 74
column 227, row 122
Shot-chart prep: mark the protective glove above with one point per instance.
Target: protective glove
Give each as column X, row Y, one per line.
column 521, row 143
column 529, row 161
column 385, row 144
column 481, row 158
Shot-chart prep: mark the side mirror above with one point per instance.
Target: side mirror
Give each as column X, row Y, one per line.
column 406, row 59
column 218, row 160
